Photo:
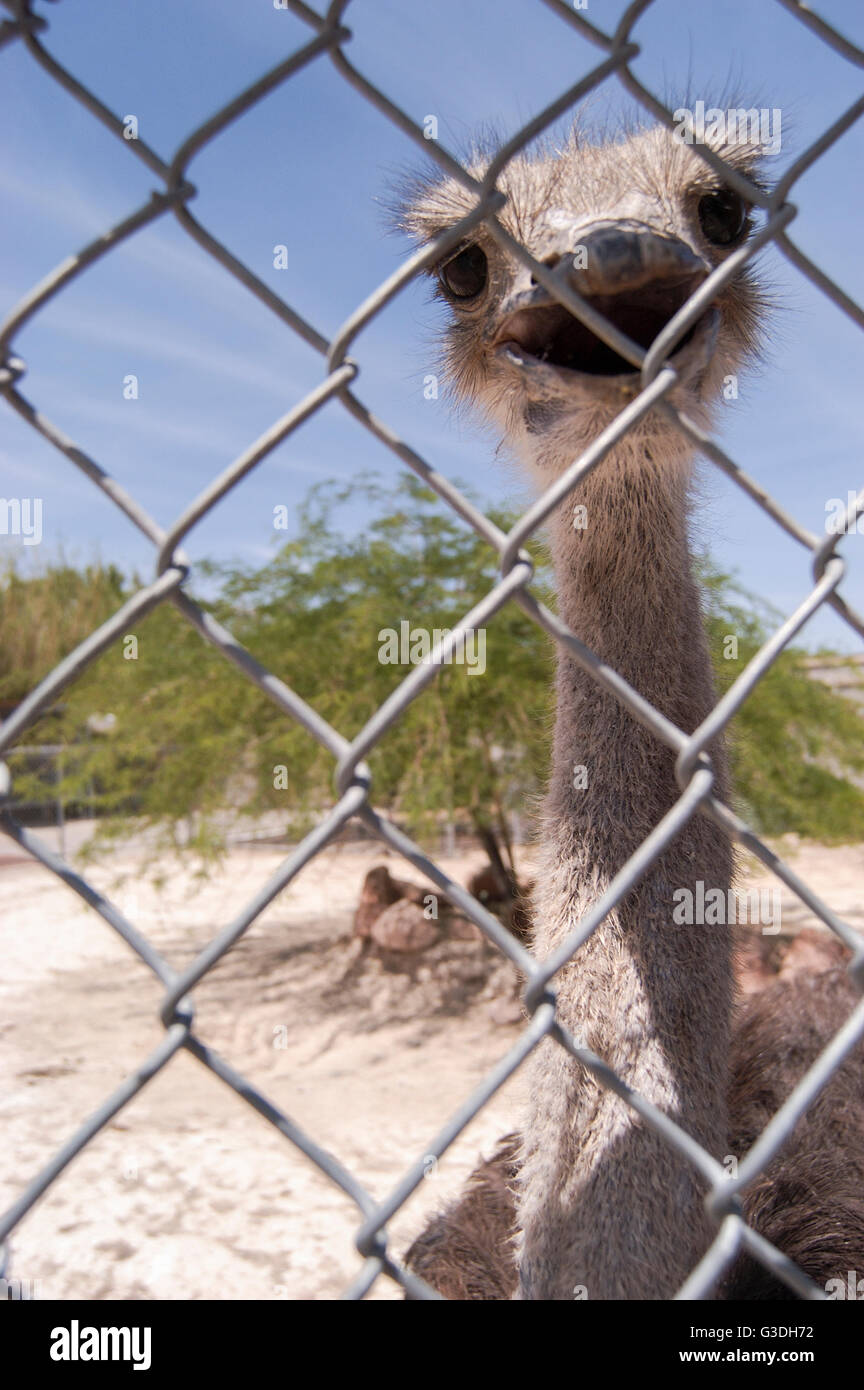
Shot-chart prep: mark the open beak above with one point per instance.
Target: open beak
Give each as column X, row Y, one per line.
column 636, row 279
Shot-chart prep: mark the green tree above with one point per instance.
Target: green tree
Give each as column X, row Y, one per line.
column 194, row 743
column 795, row 743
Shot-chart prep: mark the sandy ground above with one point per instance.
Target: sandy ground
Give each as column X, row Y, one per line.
column 189, row 1193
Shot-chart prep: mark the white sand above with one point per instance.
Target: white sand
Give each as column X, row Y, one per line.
column 189, row 1193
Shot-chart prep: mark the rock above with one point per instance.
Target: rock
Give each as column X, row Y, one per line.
column 414, row 892
column 506, row 1011
column 402, row 927
column 461, row 928
column 380, row 890
column 421, row 893
column 761, row 959
column 756, row 959
column 377, row 893
column 814, row 950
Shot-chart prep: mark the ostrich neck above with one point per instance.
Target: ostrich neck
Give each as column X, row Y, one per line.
column 605, row 1206
column 626, row 589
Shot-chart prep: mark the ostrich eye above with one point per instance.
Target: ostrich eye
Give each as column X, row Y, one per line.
column 464, row 276
column 723, row 216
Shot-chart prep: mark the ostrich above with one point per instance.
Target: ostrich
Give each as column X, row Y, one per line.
column 588, row 1197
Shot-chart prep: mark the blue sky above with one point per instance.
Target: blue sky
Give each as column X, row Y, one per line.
column 307, row 167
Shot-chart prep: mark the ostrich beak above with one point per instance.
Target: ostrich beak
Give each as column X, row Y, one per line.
column 635, row 277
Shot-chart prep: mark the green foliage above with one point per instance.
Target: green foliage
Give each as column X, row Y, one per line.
column 795, row 742
column 45, row 615
column 315, row 615
column 194, row 743
column 193, row 737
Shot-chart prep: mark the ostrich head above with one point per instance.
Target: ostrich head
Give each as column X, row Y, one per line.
column 634, row 226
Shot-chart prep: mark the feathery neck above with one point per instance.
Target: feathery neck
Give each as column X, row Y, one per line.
column 626, row 589
column 605, row 1204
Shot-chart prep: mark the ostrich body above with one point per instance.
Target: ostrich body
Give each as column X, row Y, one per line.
column 601, row 1206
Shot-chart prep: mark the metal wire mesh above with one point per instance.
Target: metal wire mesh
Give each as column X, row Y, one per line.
column 329, row 37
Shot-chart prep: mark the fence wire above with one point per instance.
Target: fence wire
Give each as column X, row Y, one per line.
column 330, row 38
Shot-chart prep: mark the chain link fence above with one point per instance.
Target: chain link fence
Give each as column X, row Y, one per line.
column 329, row 38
